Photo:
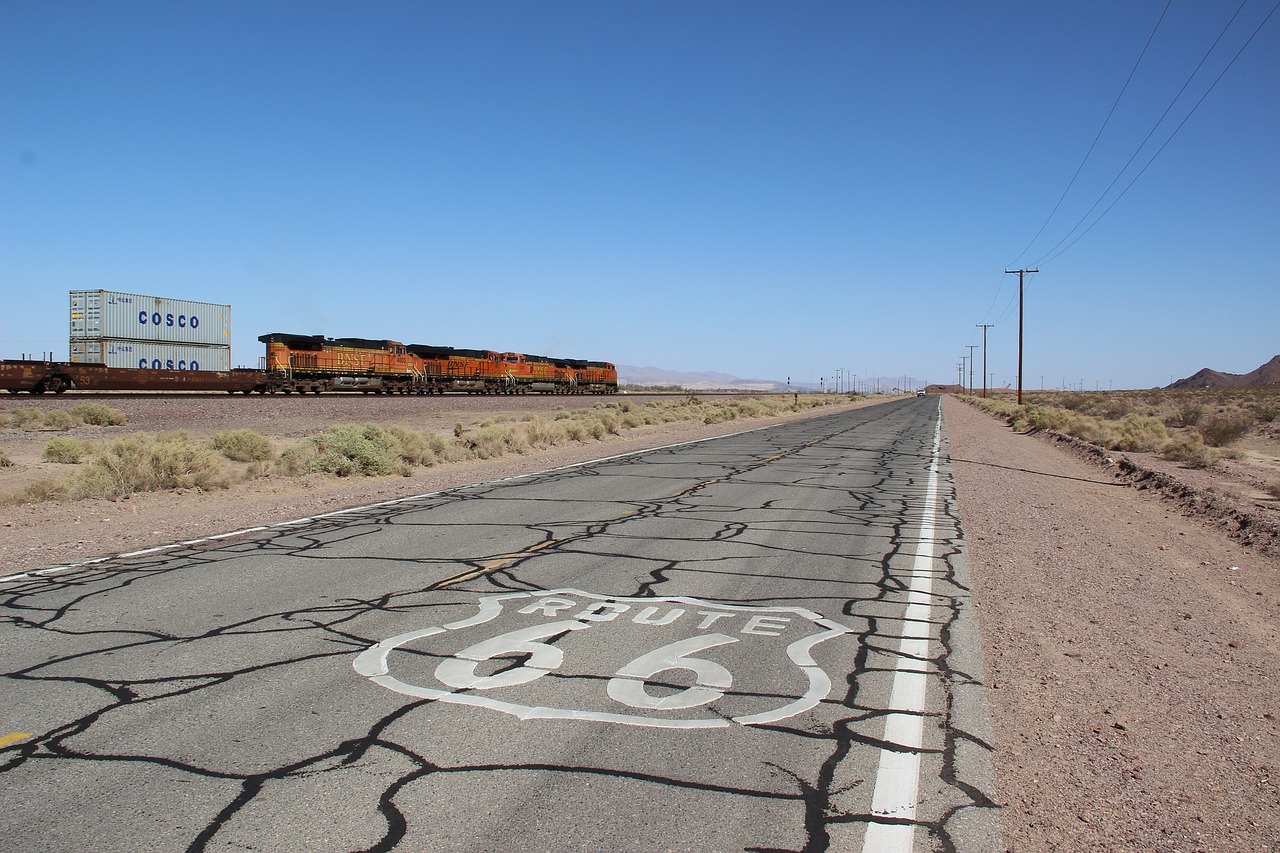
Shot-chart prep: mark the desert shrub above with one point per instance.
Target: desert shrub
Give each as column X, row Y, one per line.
column 412, row 447
column 1141, row 433
column 492, row 442
column 1191, row 449
column 611, row 423
column 23, row 418
column 1264, row 412
column 542, row 433
column 1188, row 414
column 1115, row 408
column 5, row 461
column 344, row 451
column 576, row 430
column 1225, row 428
column 1274, row 490
column 59, row 419
column 65, row 450
column 242, row 445
column 145, row 463
column 1076, row 402
column 96, row 414
column 40, row 491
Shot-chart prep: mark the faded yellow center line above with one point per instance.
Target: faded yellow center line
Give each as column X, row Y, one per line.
column 494, row 565
column 12, row 738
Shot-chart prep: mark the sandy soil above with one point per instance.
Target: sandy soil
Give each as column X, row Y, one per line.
column 1130, row 648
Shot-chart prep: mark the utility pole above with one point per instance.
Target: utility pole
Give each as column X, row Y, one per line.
column 1020, row 273
column 971, row 347
column 984, row 327
column 960, row 373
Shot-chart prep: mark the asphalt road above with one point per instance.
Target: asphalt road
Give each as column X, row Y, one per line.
column 757, row 642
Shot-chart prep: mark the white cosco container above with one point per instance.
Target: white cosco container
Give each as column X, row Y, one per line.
column 106, row 314
column 150, row 354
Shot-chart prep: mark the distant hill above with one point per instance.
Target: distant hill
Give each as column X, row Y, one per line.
column 711, row 381
column 693, row 381
column 1267, row 374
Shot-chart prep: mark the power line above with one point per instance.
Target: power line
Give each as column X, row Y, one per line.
column 1094, row 144
column 1154, row 128
column 1187, row 118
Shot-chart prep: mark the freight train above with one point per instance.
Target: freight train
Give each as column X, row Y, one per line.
column 314, row 364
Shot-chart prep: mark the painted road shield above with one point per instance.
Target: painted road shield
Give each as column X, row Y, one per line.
column 672, row 662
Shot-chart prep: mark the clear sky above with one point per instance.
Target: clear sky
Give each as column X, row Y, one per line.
column 763, row 189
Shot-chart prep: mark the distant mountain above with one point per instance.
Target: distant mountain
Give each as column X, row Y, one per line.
column 1267, row 374
column 711, row 381
column 704, row 381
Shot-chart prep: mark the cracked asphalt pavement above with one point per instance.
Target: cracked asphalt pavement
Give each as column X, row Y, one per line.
column 757, row 642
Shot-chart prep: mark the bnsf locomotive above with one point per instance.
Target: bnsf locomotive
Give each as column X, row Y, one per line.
column 314, row 363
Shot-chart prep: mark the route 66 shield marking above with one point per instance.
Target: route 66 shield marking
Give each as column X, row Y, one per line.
column 564, row 654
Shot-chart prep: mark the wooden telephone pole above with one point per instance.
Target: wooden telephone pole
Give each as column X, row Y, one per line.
column 1020, row 273
column 984, row 327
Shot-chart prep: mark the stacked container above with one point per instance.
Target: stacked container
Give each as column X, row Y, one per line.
column 128, row 330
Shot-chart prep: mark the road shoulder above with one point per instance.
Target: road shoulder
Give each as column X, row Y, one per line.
column 1129, row 664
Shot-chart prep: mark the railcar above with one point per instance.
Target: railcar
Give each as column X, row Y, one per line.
column 55, row 377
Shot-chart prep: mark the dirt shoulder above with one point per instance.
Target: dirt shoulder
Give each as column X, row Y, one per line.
column 1130, row 652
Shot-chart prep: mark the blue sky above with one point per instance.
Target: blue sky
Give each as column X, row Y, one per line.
column 762, row 189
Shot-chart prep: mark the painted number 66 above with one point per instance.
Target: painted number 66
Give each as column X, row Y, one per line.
column 710, row 678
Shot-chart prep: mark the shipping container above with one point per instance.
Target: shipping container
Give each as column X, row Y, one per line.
column 150, row 354
column 108, row 315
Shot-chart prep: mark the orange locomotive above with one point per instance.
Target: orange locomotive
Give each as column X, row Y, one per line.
column 315, row 363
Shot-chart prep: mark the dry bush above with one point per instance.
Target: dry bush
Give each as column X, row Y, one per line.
column 343, row 450
column 1225, row 428
column 1141, row 434
column 1190, row 449
column 1264, row 411
column 1188, row 414
column 96, row 414
column 145, row 463
column 542, row 433
column 39, row 492
column 59, row 419
column 64, row 450
column 5, row 461
column 22, row 418
column 412, row 446
column 242, row 445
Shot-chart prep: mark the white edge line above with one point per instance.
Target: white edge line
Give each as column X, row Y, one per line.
column 159, row 549
column 896, row 792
